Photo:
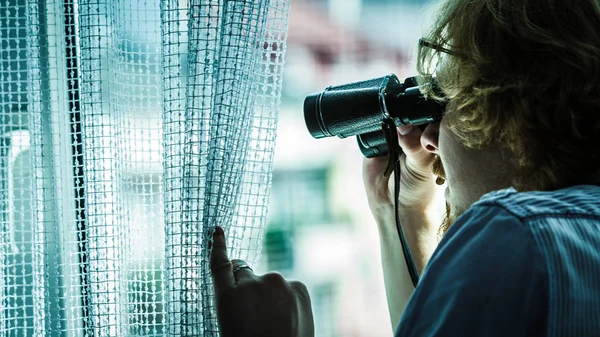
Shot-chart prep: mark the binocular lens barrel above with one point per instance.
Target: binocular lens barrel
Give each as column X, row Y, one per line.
column 345, row 110
column 372, row 144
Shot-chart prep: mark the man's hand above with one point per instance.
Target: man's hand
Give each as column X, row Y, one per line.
column 257, row 306
column 417, row 181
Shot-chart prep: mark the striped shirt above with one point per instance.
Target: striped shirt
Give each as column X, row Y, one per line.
column 514, row 264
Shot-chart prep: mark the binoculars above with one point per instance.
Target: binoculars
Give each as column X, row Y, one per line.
column 364, row 109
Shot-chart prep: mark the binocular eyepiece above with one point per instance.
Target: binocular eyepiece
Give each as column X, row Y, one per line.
column 361, row 109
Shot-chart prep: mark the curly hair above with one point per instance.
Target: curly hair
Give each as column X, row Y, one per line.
column 523, row 75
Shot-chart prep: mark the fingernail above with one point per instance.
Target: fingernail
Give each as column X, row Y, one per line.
column 219, row 231
column 405, row 129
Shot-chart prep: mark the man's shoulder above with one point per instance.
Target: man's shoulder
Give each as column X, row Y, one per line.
column 568, row 217
column 506, row 267
column 563, row 229
column 502, row 221
column 486, row 271
column 580, row 200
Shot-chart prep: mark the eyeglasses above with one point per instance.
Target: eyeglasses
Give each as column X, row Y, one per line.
column 423, row 43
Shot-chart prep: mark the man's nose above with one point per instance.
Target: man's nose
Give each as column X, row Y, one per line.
column 430, row 138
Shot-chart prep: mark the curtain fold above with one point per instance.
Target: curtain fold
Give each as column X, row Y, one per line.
column 130, row 129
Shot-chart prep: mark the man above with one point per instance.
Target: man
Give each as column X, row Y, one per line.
column 519, row 147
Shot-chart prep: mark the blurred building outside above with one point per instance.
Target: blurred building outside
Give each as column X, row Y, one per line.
column 320, row 230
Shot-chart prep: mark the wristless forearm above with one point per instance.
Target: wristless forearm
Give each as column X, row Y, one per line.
column 421, row 239
column 419, row 229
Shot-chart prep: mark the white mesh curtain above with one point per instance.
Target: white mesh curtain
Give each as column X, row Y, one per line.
column 129, row 128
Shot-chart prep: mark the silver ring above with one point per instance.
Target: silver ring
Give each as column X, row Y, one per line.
column 238, row 268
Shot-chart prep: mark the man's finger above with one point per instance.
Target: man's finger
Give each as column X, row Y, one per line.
column 412, row 146
column 220, row 266
column 409, row 138
column 241, row 270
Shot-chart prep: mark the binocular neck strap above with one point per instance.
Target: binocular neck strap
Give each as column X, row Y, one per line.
column 394, row 153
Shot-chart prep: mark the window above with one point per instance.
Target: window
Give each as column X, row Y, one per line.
column 299, row 198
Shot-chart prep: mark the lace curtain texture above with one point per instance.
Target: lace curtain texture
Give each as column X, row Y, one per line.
column 129, row 129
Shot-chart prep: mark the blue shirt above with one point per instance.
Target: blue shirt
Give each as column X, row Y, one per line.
column 515, row 264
